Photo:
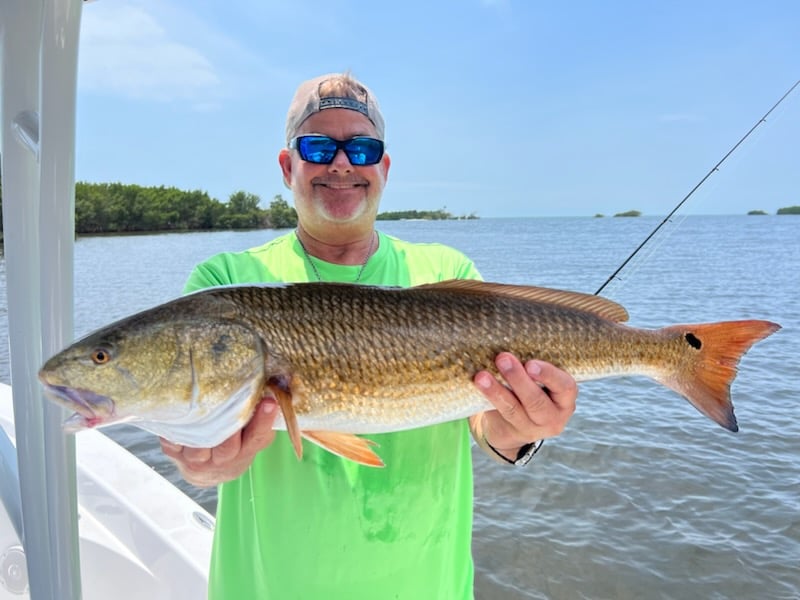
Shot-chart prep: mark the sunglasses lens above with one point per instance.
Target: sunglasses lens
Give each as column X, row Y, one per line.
column 316, row 149
column 321, row 149
column 364, row 151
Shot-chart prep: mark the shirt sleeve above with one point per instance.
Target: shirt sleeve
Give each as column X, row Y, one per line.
column 206, row 274
column 469, row 271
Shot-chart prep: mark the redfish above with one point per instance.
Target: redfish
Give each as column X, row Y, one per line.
column 346, row 359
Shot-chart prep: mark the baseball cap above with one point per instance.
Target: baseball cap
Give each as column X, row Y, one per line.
column 334, row 90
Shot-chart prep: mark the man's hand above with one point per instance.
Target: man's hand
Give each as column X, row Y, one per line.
column 536, row 404
column 207, row 467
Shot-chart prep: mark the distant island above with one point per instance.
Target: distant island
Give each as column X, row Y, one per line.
column 629, row 213
column 788, row 210
column 421, row 215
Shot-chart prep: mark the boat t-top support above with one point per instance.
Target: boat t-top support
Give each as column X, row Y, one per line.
column 38, row 74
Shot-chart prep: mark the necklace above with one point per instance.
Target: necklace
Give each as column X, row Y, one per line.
column 314, row 267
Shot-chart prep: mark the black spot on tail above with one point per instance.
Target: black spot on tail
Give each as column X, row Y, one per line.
column 693, row 341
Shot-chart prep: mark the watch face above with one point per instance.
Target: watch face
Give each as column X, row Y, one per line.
column 527, row 452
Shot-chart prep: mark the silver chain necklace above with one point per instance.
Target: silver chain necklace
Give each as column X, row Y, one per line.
column 314, row 267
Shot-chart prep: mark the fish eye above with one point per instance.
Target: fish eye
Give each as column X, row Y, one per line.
column 100, row 356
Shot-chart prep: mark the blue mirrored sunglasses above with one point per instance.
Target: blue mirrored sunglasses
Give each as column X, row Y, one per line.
column 321, row 149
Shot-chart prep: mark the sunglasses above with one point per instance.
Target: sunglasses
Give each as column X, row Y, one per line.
column 321, row 149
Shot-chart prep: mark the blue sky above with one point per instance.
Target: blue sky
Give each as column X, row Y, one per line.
column 498, row 107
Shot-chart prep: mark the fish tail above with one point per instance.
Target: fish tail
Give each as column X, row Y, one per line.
column 717, row 349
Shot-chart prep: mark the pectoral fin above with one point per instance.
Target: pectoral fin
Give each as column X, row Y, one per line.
column 284, row 400
column 346, row 445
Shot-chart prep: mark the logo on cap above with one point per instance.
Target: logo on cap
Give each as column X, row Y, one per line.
column 337, row 102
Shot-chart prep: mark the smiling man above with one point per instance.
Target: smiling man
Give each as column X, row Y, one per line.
column 336, row 200
column 326, row 527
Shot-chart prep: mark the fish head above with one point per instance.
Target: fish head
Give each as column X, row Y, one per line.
column 157, row 368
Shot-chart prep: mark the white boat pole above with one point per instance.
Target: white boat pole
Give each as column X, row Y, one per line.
column 39, row 72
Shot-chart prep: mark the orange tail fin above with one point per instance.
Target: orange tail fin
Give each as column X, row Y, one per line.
column 707, row 382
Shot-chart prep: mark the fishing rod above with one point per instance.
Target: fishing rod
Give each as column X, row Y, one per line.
column 694, row 189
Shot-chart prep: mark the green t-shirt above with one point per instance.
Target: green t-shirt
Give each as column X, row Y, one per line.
column 325, row 527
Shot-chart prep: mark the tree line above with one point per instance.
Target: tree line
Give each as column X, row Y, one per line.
column 427, row 215
column 117, row 208
column 127, row 208
column 131, row 208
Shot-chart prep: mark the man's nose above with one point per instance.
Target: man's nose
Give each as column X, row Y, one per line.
column 340, row 164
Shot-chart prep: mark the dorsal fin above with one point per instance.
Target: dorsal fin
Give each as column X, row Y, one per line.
column 602, row 307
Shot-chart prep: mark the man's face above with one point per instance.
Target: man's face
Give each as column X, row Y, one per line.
column 337, row 194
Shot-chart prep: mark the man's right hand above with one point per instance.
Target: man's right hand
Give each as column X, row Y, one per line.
column 207, row 467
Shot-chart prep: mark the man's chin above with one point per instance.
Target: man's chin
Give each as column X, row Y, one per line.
column 344, row 211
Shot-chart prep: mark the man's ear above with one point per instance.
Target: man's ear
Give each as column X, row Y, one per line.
column 285, row 161
column 386, row 162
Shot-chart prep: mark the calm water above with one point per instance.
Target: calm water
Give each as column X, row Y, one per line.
column 642, row 497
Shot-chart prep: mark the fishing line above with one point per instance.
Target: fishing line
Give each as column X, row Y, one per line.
column 714, row 169
column 670, row 226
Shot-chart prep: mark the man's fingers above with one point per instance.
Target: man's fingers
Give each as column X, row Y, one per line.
column 196, row 456
column 210, row 466
column 258, row 433
column 227, row 450
column 525, row 404
column 500, row 397
column 170, row 449
column 253, row 437
column 537, row 402
column 560, row 385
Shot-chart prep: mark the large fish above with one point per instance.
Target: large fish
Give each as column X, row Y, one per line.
column 346, row 359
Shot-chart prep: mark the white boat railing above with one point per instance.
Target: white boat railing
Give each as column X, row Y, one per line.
column 140, row 535
column 39, row 74
column 141, row 538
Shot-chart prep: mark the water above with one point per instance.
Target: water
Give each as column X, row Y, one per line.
column 641, row 497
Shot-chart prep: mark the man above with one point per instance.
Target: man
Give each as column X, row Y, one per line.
column 326, row 527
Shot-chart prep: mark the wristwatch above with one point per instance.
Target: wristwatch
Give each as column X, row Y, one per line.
column 527, row 452
column 524, row 454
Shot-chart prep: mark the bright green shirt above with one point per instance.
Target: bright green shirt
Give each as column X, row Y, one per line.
column 325, row 527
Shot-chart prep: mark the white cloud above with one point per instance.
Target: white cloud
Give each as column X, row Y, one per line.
column 126, row 51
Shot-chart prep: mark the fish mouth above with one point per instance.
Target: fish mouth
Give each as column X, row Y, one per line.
column 91, row 410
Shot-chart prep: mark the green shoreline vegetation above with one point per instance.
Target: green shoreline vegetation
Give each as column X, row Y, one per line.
column 789, row 210
column 421, row 215
column 129, row 208
column 102, row 208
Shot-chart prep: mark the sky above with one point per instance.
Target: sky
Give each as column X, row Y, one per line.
column 498, row 108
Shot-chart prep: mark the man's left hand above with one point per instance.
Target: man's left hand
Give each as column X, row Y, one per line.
column 537, row 403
